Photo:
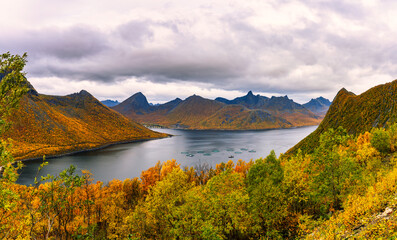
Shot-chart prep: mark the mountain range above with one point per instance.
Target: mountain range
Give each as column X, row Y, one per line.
column 195, row 112
column 54, row 125
column 377, row 107
column 110, row 103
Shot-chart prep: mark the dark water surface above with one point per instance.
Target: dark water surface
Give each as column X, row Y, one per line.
column 188, row 147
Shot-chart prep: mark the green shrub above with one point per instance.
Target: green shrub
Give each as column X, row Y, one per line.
column 380, row 140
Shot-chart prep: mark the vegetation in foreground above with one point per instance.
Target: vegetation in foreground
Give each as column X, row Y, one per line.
column 344, row 188
column 339, row 191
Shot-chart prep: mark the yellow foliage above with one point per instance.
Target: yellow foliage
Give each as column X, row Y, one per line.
column 168, row 167
column 52, row 125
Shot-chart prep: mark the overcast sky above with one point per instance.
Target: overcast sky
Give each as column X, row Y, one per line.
column 167, row 49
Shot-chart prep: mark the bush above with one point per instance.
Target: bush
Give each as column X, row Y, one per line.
column 380, row 140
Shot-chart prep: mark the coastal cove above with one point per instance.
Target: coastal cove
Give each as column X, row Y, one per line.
column 188, row 147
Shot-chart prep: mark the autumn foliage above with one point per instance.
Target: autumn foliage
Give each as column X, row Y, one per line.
column 344, row 187
column 53, row 125
column 338, row 188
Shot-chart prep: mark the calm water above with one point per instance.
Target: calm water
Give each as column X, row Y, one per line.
column 188, row 147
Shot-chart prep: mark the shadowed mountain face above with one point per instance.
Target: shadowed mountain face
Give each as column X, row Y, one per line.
column 283, row 107
column 250, row 101
column 376, row 107
column 247, row 112
column 318, row 106
column 110, row 103
column 138, row 108
column 51, row 125
column 137, row 103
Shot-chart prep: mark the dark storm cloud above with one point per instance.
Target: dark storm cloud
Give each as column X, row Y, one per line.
column 98, row 56
column 327, row 44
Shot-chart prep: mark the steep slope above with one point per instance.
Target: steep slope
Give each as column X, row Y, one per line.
column 138, row 109
column 376, row 107
column 137, row 104
column 190, row 112
column 318, row 106
column 293, row 112
column 110, row 103
column 52, row 125
column 239, row 117
column 281, row 107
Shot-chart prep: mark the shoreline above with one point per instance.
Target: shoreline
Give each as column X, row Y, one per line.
column 91, row 149
column 146, row 139
column 236, row 130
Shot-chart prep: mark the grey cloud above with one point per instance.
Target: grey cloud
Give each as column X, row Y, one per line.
column 242, row 57
column 67, row 44
column 190, row 59
column 135, row 32
column 76, row 42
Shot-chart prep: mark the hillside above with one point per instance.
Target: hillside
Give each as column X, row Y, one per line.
column 52, row 125
column 281, row 107
column 374, row 108
column 192, row 111
column 239, row 117
column 138, row 109
column 318, row 106
column 345, row 189
column 247, row 112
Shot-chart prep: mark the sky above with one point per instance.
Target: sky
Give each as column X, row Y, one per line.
column 168, row 49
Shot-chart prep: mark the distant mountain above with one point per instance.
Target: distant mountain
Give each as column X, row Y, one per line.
column 136, row 103
column 250, row 100
column 195, row 112
column 376, row 107
column 110, row 103
column 192, row 111
column 52, row 125
column 318, row 106
column 236, row 116
column 282, row 107
column 138, row 108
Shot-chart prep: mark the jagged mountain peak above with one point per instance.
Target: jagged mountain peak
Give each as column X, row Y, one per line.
column 110, row 103
column 194, row 97
column 139, row 95
column 85, row 93
column 324, row 100
column 318, row 105
column 136, row 100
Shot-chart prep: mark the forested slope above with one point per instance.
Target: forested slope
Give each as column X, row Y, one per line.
column 344, row 189
column 377, row 107
column 51, row 125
